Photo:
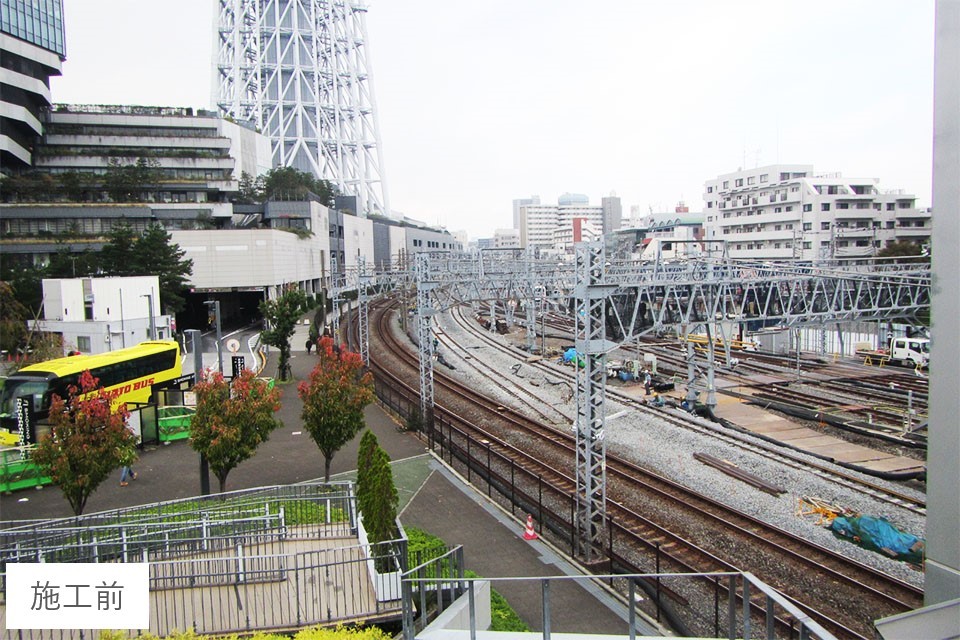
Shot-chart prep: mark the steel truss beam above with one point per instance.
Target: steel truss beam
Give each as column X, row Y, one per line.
column 628, row 300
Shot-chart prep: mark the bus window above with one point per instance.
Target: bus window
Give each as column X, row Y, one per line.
column 15, row 388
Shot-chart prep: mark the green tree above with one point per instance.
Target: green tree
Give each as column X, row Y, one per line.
column 281, row 315
column 153, row 253
column 157, row 255
column 251, row 189
column 86, row 443
column 334, row 398
column 128, row 182
column 381, row 499
column 288, row 183
column 365, row 456
column 232, row 419
column 68, row 264
column 119, row 256
column 13, row 321
column 904, row 252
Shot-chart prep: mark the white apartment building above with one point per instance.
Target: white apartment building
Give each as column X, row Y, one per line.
column 565, row 238
column 539, row 223
column 786, row 211
column 506, row 239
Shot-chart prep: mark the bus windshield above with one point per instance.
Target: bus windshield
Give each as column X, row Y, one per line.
column 16, row 387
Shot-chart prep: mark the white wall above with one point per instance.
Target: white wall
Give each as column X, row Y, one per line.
column 357, row 240
column 226, row 258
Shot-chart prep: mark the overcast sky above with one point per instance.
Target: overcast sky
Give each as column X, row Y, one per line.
column 484, row 102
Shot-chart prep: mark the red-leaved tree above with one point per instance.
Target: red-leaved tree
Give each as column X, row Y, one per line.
column 334, row 398
column 232, row 419
column 86, row 443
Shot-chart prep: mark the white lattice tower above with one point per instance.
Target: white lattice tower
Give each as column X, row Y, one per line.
column 298, row 70
column 592, row 346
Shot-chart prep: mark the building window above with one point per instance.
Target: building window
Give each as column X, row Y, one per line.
column 726, row 184
column 788, row 226
column 890, row 206
column 764, row 177
column 778, row 210
column 825, row 226
column 843, row 205
column 863, row 243
column 739, row 182
column 776, row 245
column 825, row 206
column 710, row 189
column 808, row 207
column 789, row 208
column 83, row 344
column 751, row 180
column 807, row 245
column 778, row 227
column 710, row 205
column 904, row 205
column 807, row 226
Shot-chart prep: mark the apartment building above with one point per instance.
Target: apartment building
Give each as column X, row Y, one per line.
column 786, row 211
column 539, row 223
column 506, row 238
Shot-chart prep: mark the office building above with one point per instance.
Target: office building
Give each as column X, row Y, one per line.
column 32, row 49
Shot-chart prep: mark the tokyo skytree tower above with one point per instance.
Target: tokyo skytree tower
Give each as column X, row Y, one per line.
column 298, row 71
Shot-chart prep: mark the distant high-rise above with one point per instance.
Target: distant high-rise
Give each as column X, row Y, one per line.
column 612, row 213
column 32, row 50
column 522, row 202
column 298, row 71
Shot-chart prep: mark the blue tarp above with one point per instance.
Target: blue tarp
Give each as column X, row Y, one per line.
column 877, row 534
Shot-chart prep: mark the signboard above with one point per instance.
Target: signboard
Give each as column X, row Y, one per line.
column 233, row 345
column 23, row 424
column 236, row 363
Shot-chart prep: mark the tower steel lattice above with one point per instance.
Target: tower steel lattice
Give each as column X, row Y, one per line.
column 298, row 70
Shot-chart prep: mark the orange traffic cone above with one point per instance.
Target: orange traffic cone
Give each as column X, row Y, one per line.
column 528, row 532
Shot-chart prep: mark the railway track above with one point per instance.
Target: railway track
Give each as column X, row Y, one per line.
column 510, row 435
column 871, row 407
column 781, row 456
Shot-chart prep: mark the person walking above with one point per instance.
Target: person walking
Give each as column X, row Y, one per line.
column 127, row 472
column 647, row 382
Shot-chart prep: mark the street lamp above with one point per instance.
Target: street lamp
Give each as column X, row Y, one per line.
column 216, row 316
column 153, row 328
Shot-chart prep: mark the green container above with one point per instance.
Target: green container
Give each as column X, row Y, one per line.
column 173, row 423
column 17, row 471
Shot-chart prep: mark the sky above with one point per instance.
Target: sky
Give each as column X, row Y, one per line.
column 481, row 103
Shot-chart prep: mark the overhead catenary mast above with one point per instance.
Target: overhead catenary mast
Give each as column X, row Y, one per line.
column 298, row 71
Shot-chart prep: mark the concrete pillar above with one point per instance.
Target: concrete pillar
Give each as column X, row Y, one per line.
column 942, row 581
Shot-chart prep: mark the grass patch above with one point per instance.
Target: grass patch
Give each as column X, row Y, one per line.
column 502, row 615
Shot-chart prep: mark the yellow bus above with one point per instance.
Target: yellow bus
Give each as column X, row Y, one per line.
column 126, row 376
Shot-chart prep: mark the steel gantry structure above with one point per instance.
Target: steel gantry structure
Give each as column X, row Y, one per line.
column 298, row 71
column 616, row 301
